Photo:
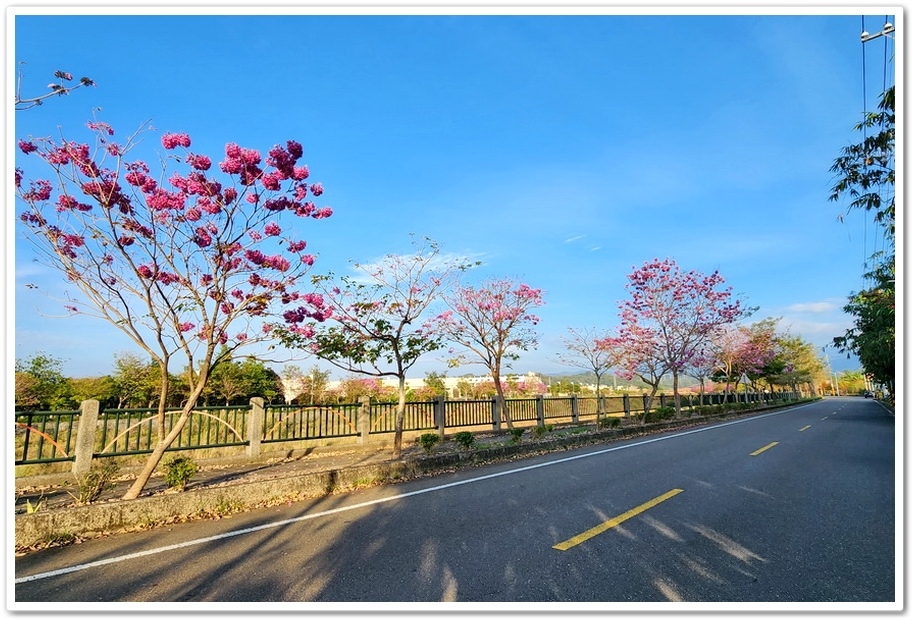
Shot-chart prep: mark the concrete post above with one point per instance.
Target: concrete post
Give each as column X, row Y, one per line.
column 85, row 437
column 255, row 427
column 439, row 415
column 362, row 419
column 626, row 405
column 539, row 409
column 495, row 412
column 574, row 404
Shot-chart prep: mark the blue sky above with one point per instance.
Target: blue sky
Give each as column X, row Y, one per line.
column 561, row 150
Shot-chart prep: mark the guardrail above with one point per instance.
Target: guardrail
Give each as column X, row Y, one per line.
column 79, row 436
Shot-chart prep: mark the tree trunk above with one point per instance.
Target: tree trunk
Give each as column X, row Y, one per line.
column 677, row 396
column 399, row 417
column 501, row 400
column 600, row 403
column 166, row 440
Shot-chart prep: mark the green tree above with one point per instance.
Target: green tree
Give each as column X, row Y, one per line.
column 41, row 384
column 378, row 325
column 101, row 388
column 235, row 381
column 795, row 364
column 136, row 380
column 865, row 174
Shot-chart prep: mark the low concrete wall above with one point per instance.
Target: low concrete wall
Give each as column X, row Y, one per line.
column 96, row 519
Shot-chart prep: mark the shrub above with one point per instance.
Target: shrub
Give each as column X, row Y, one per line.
column 609, row 422
column 465, row 438
column 663, row 413
column 179, row 471
column 100, row 479
column 516, row 434
column 539, row 431
column 428, row 440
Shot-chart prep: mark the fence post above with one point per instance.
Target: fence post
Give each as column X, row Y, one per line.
column 645, row 403
column 439, row 415
column 574, row 401
column 85, row 437
column 362, row 419
column 539, row 409
column 255, row 427
column 626, row 405
column 495, row 412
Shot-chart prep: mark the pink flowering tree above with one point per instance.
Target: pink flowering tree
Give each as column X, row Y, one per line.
column 637, row 354
column 494, row 323
column 378, row 323
column 674, row 312
column 588, row 349
column 742, row 350
column 189, row 263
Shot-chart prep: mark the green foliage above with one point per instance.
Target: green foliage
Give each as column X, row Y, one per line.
column 428, row 441
column 516, row 434
column 235, row 381
column 465, row 438
column 41, row 384
column 865, row 173
column 539, row 431
column 609, row 422
column 664, row 413
column 179, row 471
column 101, row 478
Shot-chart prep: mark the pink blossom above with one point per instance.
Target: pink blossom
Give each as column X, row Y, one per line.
column 317, row 189
column 167, row 278
column 176, row 139
column 39, row 190
column 186, row 326
column 294, row 148
column 201, row 163
column 272, row 229
column 27, row 147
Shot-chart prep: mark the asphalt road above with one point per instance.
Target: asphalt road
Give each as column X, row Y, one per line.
column 792, row 506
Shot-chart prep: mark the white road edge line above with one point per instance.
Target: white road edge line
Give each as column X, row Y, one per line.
column 276, row 524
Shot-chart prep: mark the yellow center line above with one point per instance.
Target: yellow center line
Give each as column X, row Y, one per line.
column 764, row 448
column 804, row 428
column 616, row 521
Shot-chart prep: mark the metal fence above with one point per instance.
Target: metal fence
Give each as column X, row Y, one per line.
column 58, row 436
